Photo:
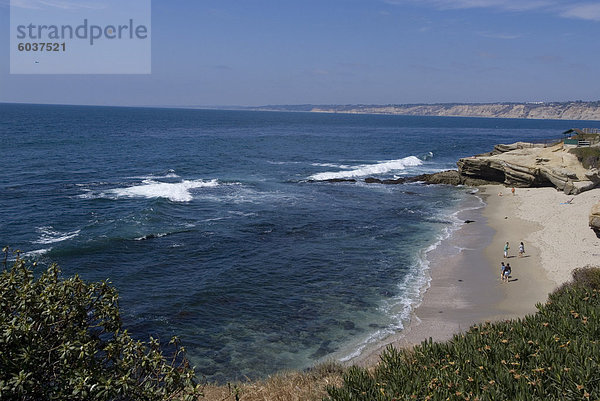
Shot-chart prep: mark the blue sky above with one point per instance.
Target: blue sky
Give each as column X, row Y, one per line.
column 256, row 52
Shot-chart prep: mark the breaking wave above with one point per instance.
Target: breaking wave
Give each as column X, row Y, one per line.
column 167, row 174
column 173, row 191
column 369, row 169
column 50, row 236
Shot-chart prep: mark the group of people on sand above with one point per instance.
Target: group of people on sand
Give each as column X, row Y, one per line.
column 505, row 269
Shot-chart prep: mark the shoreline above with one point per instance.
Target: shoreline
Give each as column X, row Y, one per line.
column 465, row 286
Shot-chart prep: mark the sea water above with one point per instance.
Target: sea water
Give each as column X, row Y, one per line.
column 216, row 226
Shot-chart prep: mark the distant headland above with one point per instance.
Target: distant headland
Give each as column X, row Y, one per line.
column 574, row 110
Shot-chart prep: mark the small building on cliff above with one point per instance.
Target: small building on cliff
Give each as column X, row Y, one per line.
column 582, row 137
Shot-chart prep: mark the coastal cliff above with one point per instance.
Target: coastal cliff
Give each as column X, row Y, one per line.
column 539, row 110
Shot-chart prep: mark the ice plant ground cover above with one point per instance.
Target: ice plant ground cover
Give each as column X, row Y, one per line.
column 550, row 355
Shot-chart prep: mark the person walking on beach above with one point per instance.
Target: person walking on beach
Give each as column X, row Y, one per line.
column 521, row 249
column 507, row 272
column 513, row 191
column 506, row 248
column 502, row 269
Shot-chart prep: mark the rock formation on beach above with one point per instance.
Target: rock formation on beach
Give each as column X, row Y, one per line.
column 450, row 177
column 595, row 219
column 525, row 165
column 521, row 165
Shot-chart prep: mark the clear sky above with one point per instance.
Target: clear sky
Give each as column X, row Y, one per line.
column 257, row 52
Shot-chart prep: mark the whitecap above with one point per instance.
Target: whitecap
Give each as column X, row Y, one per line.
column 369, row 169
column 342, row 166
column 242, row 214
column 282, row 162
column 427, row 156
column 168, row 174
column 37, row 252
column 49, row 236
column 175, row 192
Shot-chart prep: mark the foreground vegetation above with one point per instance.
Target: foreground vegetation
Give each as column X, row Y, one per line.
column 62, row 339
column 589, row 157
column 309, row 385
column 552, row 355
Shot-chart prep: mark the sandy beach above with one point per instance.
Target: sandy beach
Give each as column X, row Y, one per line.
column 465, row 285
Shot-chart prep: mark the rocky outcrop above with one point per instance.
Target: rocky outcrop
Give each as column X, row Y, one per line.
column 503, row 148
column 481, row 167
column 450, row 177
column 520, row 164
column 525, row 165
column 595, row 219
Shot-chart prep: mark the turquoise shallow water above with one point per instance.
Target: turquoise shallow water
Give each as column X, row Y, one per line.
column 208, row 223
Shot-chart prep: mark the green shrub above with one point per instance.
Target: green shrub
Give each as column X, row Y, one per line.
column 588, row 156
column 552, row 355
column 588, row 277
column 62, row 339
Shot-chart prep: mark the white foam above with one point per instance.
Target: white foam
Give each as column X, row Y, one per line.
column 343, row 166
column 37, row 252
column 49, row 236
column 240, row 194
column 412, row 288
column 400, row 308
column 168, row 174
column 89, row 194
column 175, row 192
column 462, row 249
column 242, row 214
column 281, row 163
column 427, row 156
column 369, row 169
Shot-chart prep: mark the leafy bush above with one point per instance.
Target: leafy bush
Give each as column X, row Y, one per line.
column 62, row 339
column 588, row 277
column 588, row 156
column 550, row 355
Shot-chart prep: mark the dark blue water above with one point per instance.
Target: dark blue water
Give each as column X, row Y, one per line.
column 209, row 226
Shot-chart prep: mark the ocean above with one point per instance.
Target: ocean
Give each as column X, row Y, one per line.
column 216, row 226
